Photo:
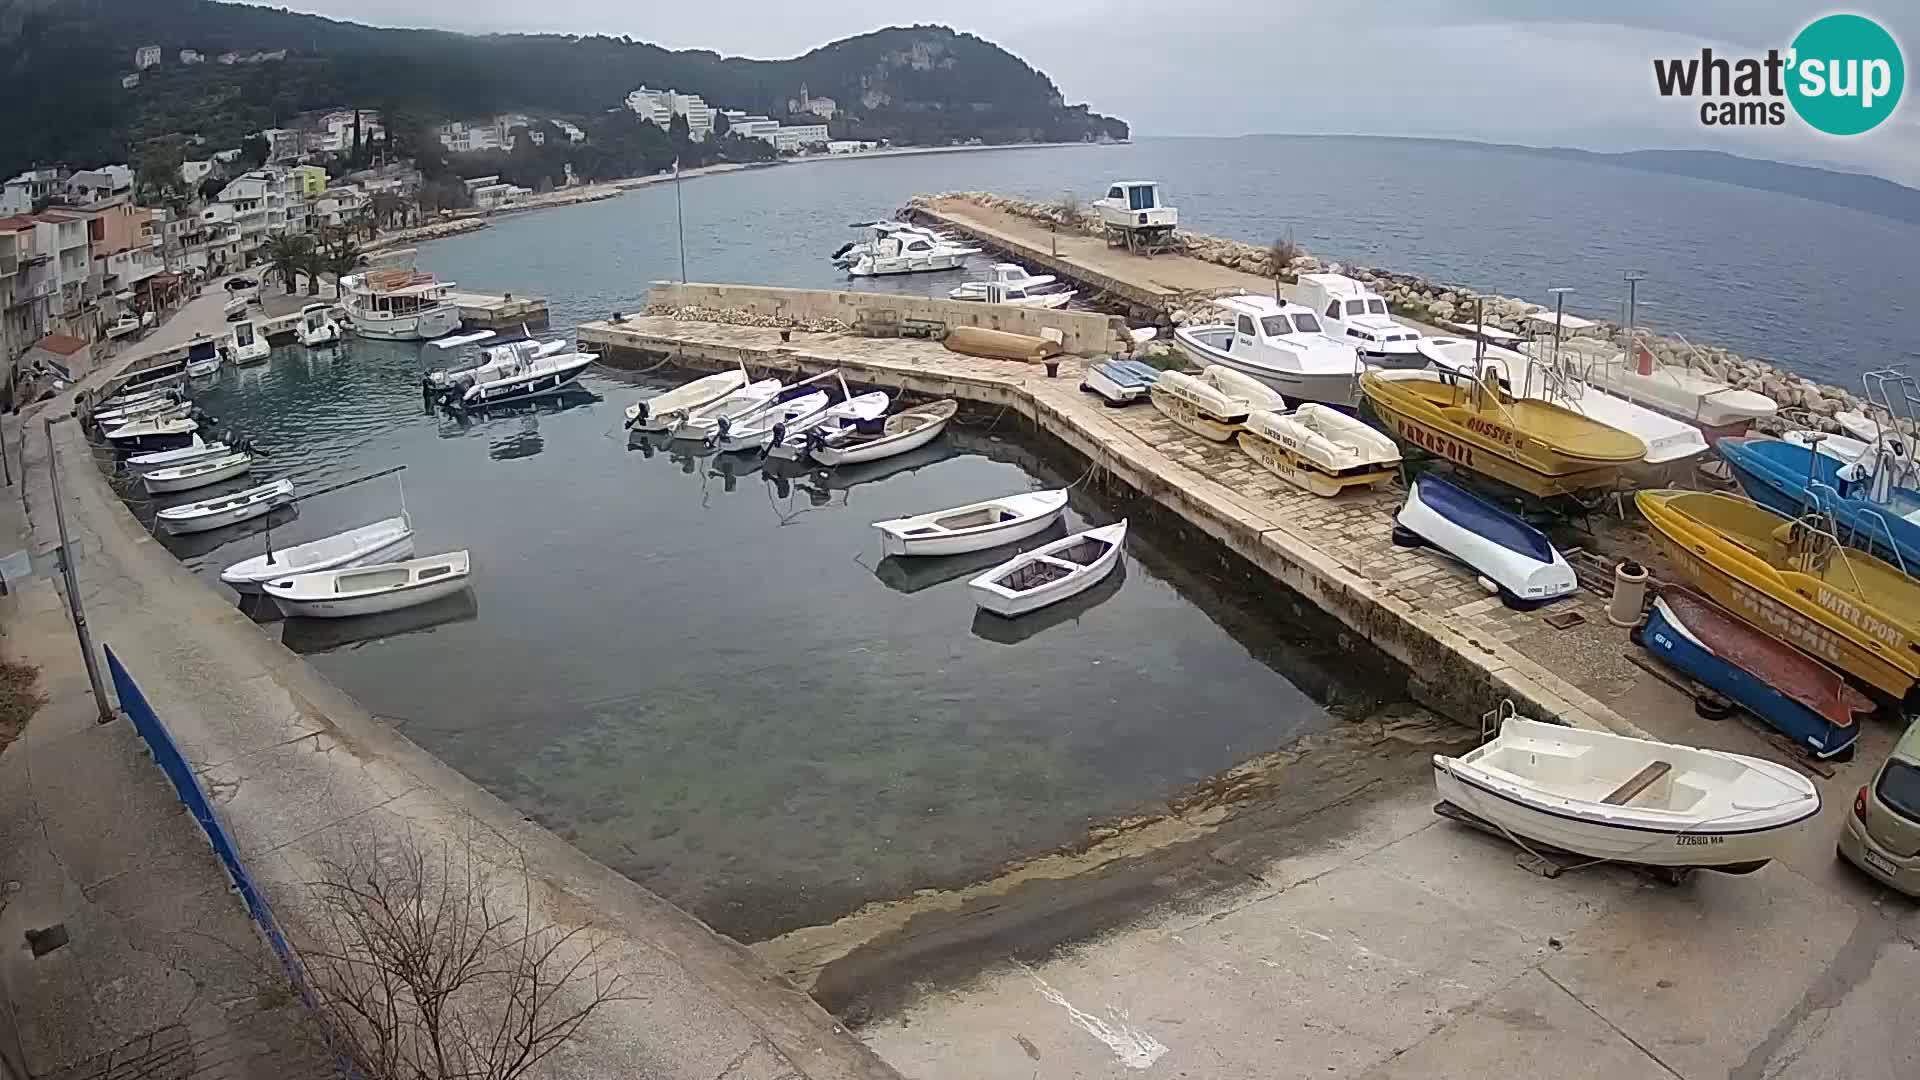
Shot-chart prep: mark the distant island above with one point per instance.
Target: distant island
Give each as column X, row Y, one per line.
column 89, row 81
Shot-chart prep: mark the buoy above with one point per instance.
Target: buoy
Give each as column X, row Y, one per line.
column 1629, row 593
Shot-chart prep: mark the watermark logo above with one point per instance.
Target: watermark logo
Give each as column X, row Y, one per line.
column 1842, row 75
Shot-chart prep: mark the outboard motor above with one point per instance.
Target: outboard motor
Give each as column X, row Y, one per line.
column 779, row 436
column 639, row 417
column 844, row 248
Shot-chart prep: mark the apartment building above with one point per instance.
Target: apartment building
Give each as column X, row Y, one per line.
column 659, row 107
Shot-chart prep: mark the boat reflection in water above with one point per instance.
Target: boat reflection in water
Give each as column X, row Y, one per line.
column 732, row 468
column 310, row 636
column 910, row 574
column 824, row 482
column 1005, row 631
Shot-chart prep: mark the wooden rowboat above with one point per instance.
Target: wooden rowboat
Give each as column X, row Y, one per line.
column 905, row 431
column 1046, row 575
column 370, row 590
column 973, row 527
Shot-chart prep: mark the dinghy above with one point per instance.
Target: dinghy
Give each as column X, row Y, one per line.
column 1629, row 800
column 177, row 411
column 195, row 450
column 790, row 442
column 973, row 527
column 134, row 397
column 1319, row 448
column 1032, row 580
column 698, row 422
column 1120, row 382
column 144, row 409
column 704, row 425
column 384, row 541
column 759, row 429
column 1497, row 545
column 369, row 590
column 196, row 474
column 843, row 443
column 153, row 434
column 1200, row 406
column 1803, row 699
column 216, row 513
column 662, row 411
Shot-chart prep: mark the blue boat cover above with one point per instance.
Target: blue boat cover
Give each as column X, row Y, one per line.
column 1471, row 512
column 1129, row 372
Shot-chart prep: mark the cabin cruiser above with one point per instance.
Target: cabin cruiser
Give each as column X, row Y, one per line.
column 877, row 231
column 1355, row 313
column 399, row 305
column 916, row 252
column 246, row 345
column 1011, row 275
column 508, row 371
column 317, row 327
column 1279, row 343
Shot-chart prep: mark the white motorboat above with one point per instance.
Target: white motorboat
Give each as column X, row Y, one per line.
column 973, row 527
column 841, row 442
column 203, row 357
column 204, row 369
column 1683, row 393
column 1629, row 800
column 756, row 428
column 371, row 589
column 791, row 441
column 144, row 409
column 1351, row 311
column 176, row 411
column 1319, row 448
column 224, row 510
column 910, row 253
column 1011, row 275
column 664, row 411
column 1016, row 296
column 875, row 233
column 1497, row 545
column 236, row 307
column 122, row 326
column 399, row 305
column 247, row 345
column 165, row 434
column 700, row 423
column 1120, row 382
column 1279, row 343
column 1049, row 574
column 195, row 450
column 384, row 541
column 137, row 397
column 1212, row 404
column 513, row 371
column 317, row 328
column 196, row 474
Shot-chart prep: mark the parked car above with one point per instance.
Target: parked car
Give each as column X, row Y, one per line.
column 1882, row 835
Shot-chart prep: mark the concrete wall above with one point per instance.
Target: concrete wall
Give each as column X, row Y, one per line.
column 1084, row 333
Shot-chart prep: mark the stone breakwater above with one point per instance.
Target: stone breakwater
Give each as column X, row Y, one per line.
column 422, row 233
column 1809, row 404
column 742, row 317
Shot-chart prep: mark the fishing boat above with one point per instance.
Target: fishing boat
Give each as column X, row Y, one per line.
column 1046, row 575
column 1001, row 344
column 1349, row 310
column 1535, row 446
column 1803, row 699
column 246, row 345
column 165, row 434
column 759, row 428
column 1495, row 543
column 195, row 450
column 1319, row 448
column 1120, row 382
column 224, row 510
column 1794, row 580
column 1213, row 404
column 1278, row 343
column 196, row 474
column 1870, row 508
column 395, row 304
column 663, row 412
column 317, row 328
column 1716, row 407
column 1629, row 800
column 973, row 527
column 371, row 589
column 843, row 442
column 384, row 541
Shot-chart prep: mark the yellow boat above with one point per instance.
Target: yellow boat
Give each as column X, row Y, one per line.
column 1796, row 582
column 1535, row 446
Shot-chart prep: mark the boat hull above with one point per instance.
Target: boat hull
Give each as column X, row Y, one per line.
column 247, row 576
column 376, row 604
column 159, row 483
column 1775, row 474
column 878, row 449
column 1327, row 388
column 1492, row 542
column 1300, row 472
column 425, row 326
column 1118, row 385
column 210, row 522
column 533, row 385
column 976, row 539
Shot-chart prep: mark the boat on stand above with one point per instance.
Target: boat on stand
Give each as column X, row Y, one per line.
column 1279, row 343
column 1213, row 404
column 1319, row 448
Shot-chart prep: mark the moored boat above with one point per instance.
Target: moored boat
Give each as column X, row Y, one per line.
column 317, row 328
column 756, row 428
column 399, row 305
column 224, row 510
column 791, row 439
column 1319, row 448
column 165, row 434
column 196, row 474
column 844, row 443
column 195, row 450
column 1051, row 573
column 246, row 345
column 1629, row 800
column 665, row 410
column 371, row 589
column 1792, row 692
column 1496, row 544
column 973, row 527
column 387, row 540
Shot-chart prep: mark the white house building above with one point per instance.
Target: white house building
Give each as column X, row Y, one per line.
column 103, row 182
column 191, row 56
column 792, row 137
column 146, row 56
column 193, row 172
column 659, row 107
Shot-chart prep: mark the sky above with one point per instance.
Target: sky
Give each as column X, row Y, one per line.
column 1565, row 74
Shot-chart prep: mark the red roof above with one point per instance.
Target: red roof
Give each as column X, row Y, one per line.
column 61, row 344
column 60, row 216
column 15, row 222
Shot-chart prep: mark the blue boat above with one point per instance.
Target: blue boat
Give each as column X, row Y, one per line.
column 1794, row 481
column 1493, row 542
column 1120, row 382
column 1793, row 693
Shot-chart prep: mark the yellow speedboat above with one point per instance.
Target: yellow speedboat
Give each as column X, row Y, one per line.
column 1535, row 446
column 1794, row 581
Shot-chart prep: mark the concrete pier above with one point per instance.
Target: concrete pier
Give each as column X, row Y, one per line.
column 1464, row 649
column 498, row 311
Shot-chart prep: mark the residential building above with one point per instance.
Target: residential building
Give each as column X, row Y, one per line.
column 89, row 185
column 822, row 107
column 193, row 172
column 28, row 281
column 208, row 241
column 130, row 80
column 337, row 206
column 462, row 138
column 262, row 203
column 479, row 182
column 64, row 352
column 62, row 236
column 750, row 126
column 793, row 137
column 311, row 179
column 572, row 131
column 30, row 189
column 191, row 56
column 335, row 131
column 784, row 138
column 498, row 196
column 124, row 244
column 659, row 107
column 146, row 56
column 283, row 144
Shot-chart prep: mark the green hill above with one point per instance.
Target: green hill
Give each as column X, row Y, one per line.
column 61, row 63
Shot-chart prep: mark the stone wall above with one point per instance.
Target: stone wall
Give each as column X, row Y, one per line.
column 1414, row 297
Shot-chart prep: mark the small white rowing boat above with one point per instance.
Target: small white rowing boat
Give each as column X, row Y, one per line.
column 791, row 442
column 195, row 450
column 369, row 590
column 1629, row 800
column 1319, row 448
column 697, row 425
column 1047, row 575
column 197, row 474
column 139, row 410
column 974, row 527
column 843, row 443
column 216, row 513
column 153, row 434
column 758, row 428
column 663, row 411
column 384, row 541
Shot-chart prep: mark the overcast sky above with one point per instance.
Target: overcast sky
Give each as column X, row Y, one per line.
column 1500, row 70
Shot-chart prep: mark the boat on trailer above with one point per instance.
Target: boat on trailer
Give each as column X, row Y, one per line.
column 1496, row 544
column 1319, row 448
column 370, row 590
column 1120, row 382
column 231, row 509
column 973, row 527
column 1049, row 574
column 1628, row 800
column 664, row 411
column 384, row 541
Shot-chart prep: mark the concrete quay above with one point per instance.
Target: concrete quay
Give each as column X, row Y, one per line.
column 499, row 311
column 1465, row 651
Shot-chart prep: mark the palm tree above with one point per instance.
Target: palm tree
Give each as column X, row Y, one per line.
column 286, row 255
column 338, row 255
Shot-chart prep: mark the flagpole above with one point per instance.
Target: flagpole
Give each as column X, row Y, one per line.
column 680, row 220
